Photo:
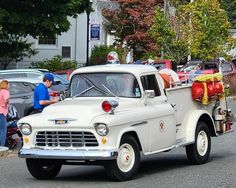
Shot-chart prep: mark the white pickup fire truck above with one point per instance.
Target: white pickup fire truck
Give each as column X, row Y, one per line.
column 115, row 113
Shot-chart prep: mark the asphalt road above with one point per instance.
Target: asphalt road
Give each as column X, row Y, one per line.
column 164, row 170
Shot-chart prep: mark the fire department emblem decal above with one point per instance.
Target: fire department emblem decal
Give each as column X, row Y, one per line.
column 161, row 126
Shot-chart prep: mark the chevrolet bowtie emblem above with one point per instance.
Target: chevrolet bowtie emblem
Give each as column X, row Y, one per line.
column 61, row 121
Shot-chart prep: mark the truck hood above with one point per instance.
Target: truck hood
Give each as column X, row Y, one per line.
column 80, row 111
column 73, row 108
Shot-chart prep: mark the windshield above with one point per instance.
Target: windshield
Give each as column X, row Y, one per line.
column 104, row 84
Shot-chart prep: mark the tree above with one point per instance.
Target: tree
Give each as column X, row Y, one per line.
column 35, row 18
column 14, row 48
column 131, row 22
column 99, row 54
column 168, row 38
column 206, row 28
column 177, row 3
column 39, row 18
column 55, row 64
column 230, row 8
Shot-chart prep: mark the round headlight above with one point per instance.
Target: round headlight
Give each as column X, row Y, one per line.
column 25, row 129
column 101, row 129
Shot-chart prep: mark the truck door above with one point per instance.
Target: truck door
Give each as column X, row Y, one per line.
column 161, row 115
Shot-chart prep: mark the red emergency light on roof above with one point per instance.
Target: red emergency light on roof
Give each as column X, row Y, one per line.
column 109, row 106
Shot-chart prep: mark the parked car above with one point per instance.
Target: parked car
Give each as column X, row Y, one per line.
column 160, row 64
column 228, row 70
column 209, row 67
column 22, row 93
column 58, row 78
column 35, row 74
column 65, row 73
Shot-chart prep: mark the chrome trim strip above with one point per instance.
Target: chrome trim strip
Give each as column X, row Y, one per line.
column 80, row 154
column 140, row 123
column 69, row 119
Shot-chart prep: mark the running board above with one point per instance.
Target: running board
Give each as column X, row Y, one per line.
column 182, row 142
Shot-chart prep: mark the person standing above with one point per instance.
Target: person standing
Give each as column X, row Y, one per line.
column 41, row 94
column 198, row 69
column 4, row 101
column 129, row 56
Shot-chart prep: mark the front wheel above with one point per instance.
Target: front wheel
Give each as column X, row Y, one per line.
column 127, row 163
column 199, row 152
column 43, row 168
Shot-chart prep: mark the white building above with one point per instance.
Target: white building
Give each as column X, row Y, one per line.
column 72, row 45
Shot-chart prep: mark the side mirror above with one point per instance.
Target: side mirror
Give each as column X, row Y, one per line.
column 150, row 93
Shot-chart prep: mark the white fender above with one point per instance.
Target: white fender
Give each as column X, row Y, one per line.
column 191, row 124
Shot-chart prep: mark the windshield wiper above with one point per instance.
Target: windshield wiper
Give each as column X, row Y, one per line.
column 90, row 82
column 110, row 91
column 81, row 93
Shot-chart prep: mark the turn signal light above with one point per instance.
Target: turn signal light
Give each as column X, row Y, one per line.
column 26, row 139
column 104, row 141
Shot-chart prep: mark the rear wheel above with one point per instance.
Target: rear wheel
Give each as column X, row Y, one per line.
column 43, row 168
column 127, row 163
column 199, row 152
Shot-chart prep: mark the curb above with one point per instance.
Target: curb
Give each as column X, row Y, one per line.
column 3, row 151
column 8, row 153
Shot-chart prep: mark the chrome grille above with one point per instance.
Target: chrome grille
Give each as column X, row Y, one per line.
column 65, row 139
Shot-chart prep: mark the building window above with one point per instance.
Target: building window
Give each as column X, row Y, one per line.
column 47, row 40
column 66, row 51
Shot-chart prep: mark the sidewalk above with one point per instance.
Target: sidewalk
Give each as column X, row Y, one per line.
column 3, row 151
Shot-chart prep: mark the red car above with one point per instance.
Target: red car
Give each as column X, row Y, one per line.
column 228, row 70
column 160, row 64
column 206, row 68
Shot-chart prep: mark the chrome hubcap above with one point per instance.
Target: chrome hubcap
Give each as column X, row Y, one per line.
column 126, row 157
column 202, row 143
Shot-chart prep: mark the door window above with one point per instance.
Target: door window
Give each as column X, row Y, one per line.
column 20, row 88
column 149, row 82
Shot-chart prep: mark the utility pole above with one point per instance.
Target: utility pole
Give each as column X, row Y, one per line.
column 166, row 11
column 87, row 40
column 87, row 5
column 189, row 56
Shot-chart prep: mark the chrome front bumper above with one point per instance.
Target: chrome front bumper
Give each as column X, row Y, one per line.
column 68, row 154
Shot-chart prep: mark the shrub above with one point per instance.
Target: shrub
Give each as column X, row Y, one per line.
column 55, row 64
column 99, row 54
